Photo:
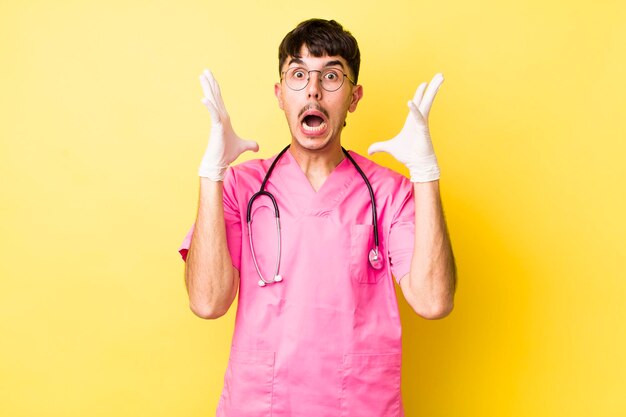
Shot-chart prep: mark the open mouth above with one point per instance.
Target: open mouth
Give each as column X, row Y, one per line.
column 313, row 122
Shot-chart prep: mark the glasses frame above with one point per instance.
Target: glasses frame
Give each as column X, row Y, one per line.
column 308, row 78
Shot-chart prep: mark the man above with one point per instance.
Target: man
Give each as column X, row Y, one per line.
column 317, row 330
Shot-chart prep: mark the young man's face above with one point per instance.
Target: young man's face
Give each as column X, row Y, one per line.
column 316, row 116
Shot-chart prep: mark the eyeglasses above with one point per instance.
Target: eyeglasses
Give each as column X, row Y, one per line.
column 331, row 79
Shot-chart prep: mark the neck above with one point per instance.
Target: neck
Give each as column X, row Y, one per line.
column 318, row 164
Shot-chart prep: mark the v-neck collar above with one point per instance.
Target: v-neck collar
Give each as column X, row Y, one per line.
column 300, row 191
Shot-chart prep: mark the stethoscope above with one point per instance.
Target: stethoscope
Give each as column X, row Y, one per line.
column 375, row 257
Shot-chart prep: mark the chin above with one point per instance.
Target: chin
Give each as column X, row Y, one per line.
column 313, row 144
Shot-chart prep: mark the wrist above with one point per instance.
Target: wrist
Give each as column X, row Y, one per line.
column 212, row 172
column 424, row 169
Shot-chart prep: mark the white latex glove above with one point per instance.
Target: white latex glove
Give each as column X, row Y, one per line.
column 412, row 146
column 224, row 144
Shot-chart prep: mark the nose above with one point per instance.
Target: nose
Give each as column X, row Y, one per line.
column 314, row 87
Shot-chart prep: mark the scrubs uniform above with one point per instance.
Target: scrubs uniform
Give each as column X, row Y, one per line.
column 326, row 341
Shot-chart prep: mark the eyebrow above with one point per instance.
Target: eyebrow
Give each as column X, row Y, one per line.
column 335, row 62
column 328, row 64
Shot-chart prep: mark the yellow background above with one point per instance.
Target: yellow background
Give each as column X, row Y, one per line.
column 102, row 131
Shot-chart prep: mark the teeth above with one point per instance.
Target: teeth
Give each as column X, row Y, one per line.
column 314, row 129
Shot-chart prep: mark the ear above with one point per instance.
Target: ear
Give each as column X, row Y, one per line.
column 357, row 94
column 278, row 92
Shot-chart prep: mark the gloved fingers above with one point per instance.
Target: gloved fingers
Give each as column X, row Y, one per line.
column 419, row 117
column 212, row 92
column 217, row 93
column 429, row 96
column 417, row 98
column 249, row 145
column 377, row 147
column 215, row 115
column 206, row 88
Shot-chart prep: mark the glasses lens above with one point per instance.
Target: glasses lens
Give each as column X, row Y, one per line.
column 332, row 79
column 296, row 78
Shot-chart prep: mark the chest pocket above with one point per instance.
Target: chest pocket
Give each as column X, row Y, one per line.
column 361, row 242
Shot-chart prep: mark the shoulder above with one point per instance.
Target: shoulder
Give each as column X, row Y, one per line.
column 243, row 179
column 391, row 189
column 379, row 176
column 252, row 170
column 253, row 165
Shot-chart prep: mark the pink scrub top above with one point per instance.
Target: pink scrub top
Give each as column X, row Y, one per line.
column 326, row 341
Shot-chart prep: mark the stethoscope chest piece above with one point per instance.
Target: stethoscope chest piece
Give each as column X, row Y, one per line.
column 375, row 259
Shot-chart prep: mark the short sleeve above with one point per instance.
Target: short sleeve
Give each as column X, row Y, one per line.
column 184, row 247
column 402, row 233
column 232, row 218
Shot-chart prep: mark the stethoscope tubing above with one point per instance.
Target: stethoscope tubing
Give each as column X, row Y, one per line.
column 369, row 188
column 374, row 253
column 278, row 248
column 277, row 216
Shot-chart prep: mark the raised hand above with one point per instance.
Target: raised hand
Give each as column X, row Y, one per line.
column 224, row 144
column 413, row 146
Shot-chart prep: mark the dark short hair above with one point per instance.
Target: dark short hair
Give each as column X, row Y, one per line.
column 321, row 37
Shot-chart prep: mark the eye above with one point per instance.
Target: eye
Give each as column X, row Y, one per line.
column 331, row 75
column 298, row 73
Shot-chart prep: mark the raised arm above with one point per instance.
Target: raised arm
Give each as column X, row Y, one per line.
column 211, row 280
column 430, row 285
